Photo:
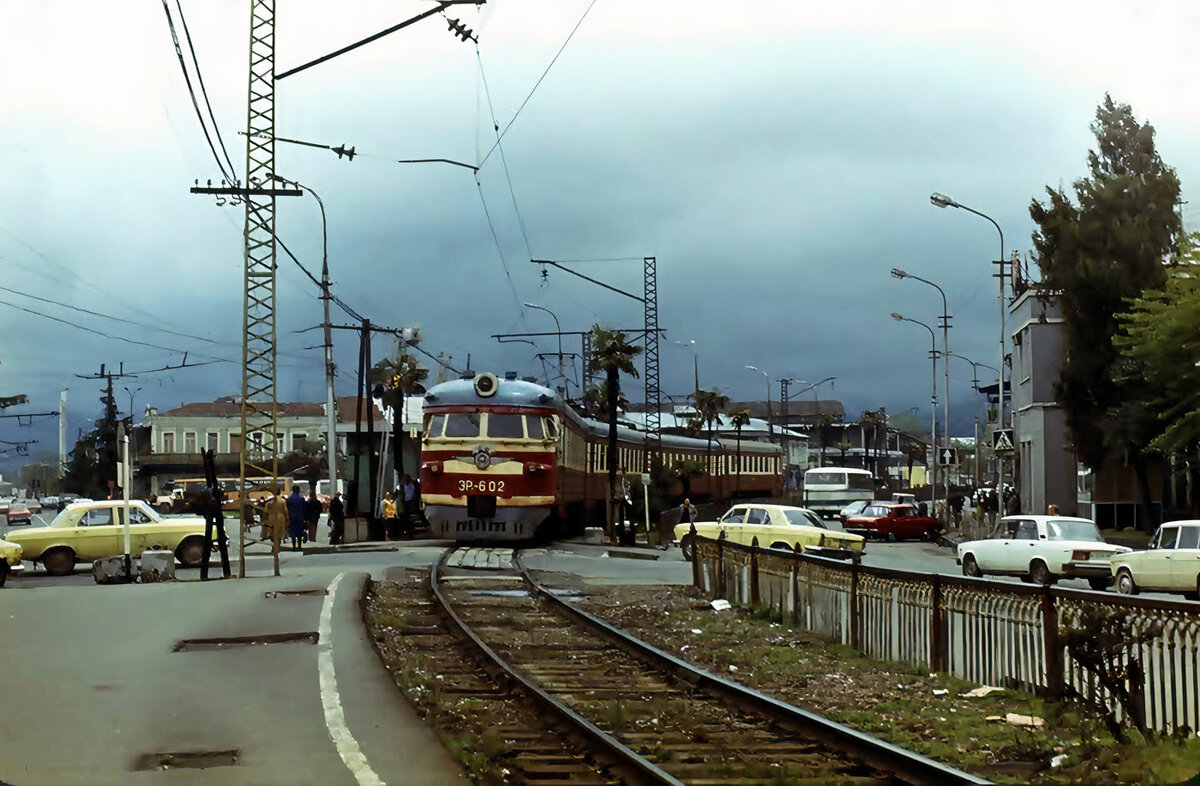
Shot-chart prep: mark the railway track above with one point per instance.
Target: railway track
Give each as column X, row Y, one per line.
column 668, row 721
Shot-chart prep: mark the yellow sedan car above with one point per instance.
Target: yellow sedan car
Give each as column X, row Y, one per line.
column 777, row 527
column 87, row 531
column 10, row 557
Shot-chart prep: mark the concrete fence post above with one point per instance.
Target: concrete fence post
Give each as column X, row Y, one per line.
column 937, row 627
column 755, row 590
column 1052, row 646
column 697, row 575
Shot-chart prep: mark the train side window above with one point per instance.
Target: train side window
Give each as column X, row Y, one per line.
column 464, row 424
column 506, row 426
column 548, row 428
column 435, row 425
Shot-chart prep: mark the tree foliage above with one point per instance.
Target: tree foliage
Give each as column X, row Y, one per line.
column 613, row 355
column 93, row 462
column 710, row 405
column 1108, row 245
column 396, row 378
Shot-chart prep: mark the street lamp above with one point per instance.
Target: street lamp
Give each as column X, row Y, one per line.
column 901, row 274
column 770, row 427
column 557, row 329
column 695, row 362
column 932, row 403
column 941, row 200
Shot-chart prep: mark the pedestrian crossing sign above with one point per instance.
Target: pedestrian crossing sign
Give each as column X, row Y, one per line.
column 1002, row 440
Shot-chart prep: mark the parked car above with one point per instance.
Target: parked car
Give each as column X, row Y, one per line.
column 18, row 512
column 31, row 504
column 892, row 521
column 5, row 503
column 853, row 509
column 777, row 527
column 86, row 531
column 1170, row 563
column 49, row 502
column 10, row 558
column 1042, row 549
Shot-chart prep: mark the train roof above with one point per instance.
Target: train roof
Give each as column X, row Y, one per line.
column 509, row 392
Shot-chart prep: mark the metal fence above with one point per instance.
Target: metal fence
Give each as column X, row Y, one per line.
column 990, row 632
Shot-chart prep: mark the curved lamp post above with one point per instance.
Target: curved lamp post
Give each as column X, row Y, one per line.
column 901, row 274
column 932, row 403
column 770, row 427
column 558, row 330
column 941, row 200
column 695, row 363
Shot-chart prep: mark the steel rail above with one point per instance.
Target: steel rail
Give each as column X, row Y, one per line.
column 632, row 767
column 910, row 766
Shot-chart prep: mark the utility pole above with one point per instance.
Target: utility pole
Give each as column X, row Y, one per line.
column 62, row 434
column 330, row 401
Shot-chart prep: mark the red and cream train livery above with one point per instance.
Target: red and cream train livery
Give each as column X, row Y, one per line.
column 507, row 459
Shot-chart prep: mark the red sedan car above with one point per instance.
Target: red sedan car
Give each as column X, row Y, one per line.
column 892, row 521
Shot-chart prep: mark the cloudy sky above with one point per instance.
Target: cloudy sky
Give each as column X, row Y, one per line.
column 776, row 158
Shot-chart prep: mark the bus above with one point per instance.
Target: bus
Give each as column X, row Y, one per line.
column 829, row 489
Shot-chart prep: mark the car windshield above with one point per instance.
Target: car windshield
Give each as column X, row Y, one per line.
column 802, row 518
column 1073, row 530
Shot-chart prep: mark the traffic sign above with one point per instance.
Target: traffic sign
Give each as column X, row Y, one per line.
column 1002, row 440
column 947, row 457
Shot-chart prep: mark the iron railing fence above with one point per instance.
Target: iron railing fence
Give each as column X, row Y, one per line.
column 986, row 631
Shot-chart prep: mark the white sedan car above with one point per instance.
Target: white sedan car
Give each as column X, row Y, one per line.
column 1170, row 563
column 1042, row 549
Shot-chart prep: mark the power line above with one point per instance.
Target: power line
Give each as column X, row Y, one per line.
column 106, row 316
column 539, row 82
column 101, row 332
column 195, row 103
column 203, row 91
column 496, row 239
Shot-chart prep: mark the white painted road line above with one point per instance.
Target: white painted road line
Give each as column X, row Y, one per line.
column 335, row 718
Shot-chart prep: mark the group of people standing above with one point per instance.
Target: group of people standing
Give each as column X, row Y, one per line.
column 297, row 518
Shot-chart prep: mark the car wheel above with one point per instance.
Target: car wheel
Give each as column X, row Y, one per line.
column 191, row 551
column 781, row 545
column 164, row 508
column 929, row 535
column 1099, row 584
column 1125, row 583
column 59, row 562
column 688, row 546
column 1039, row 573
column 971, row 567
column 3, row 572
column 890, row 537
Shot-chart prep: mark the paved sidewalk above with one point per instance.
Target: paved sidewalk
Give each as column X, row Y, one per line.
column 91, row 683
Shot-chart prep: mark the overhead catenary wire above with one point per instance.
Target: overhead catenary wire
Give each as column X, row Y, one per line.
column 503, row 159
column 538, row 83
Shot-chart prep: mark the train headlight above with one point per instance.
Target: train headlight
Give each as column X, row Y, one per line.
column 483, row 458
column 486, row 384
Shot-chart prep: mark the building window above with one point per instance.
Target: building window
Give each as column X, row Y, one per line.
column 211, row 441
column 189, row 442
column 168, row 441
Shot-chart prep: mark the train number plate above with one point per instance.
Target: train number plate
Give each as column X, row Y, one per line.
column 482, row 486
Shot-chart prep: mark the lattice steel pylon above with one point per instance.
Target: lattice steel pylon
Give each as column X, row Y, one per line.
column 259, row 421
column 653, row 392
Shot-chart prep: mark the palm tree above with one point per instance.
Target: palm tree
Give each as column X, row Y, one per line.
column 869, row 419
column 825, row 433
column 685, row 470
column 612, row 354
column 740, row 418
column 709, row 406
column 395, row 379
column 843, row 446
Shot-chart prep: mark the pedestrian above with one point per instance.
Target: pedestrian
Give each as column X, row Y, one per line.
column 387, row 512
column 1052, row 510
column 209, row 505
column 312, row 516
column 337, row 519
column 1012, row 505
column 408, row 490
column 275, row 521
column 295, row 508
column 923, row 509
column 687, row 512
